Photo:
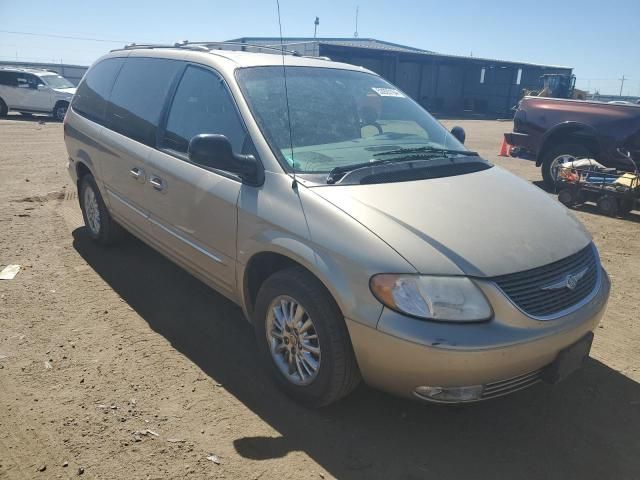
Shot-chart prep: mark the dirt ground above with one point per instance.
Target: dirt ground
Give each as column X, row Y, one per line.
column 98, row 344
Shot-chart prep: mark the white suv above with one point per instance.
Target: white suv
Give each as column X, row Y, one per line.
column 34, row 91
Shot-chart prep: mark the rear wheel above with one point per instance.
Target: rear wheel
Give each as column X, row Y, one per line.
column 3, row 108
column 102, row 228
column 558, row 155
column 303, row 339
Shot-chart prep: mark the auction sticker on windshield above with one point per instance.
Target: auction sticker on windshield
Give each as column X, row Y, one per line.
column 387, row 92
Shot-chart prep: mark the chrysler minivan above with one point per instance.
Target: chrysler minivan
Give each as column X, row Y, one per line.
column 362, row 240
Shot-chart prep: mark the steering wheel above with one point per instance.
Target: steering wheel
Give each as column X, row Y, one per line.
column 373, row 124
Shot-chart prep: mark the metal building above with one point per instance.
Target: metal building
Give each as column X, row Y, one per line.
column 444, row 84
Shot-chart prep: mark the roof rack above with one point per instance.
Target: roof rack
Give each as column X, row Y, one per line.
column 204, row 46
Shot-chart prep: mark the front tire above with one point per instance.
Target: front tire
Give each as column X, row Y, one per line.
column 102, row 228
column 556, row 156
column 60, row 110
column 303, row 340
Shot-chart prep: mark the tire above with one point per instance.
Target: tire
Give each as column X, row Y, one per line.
column 608, row 205
column 3, row 108
column 625, row 205
column 60, row 110
column 336, row 373
column 567, row 197
column 105, row 230
column 551, row 158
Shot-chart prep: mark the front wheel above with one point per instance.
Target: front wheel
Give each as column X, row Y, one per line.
column 556, row 156
column 102, row 228
column 60, row 110
column 303, row 339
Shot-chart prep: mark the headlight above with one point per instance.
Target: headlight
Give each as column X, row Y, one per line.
column 447, row 299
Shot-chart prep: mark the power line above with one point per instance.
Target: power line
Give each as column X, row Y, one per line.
column 68, row 37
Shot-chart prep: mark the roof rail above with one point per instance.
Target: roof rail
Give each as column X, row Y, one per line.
column 203, row 46
column 250, row 45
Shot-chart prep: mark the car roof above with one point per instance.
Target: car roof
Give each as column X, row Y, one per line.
column 34, row 71
column 232, row 58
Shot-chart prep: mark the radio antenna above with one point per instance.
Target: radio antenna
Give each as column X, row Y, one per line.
column 286, row 96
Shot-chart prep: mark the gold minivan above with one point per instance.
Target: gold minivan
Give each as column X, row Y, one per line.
column 360, row 238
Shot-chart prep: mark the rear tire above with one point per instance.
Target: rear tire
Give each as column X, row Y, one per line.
column 336, row 373
column 3, row 109
column 101, row 227
column 557, row 155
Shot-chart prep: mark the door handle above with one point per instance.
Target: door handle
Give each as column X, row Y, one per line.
column 136, row 173
column 157, row 183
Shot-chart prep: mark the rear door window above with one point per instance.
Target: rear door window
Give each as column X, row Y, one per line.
column 93, row 92
column 202, row 104
column 138, row 97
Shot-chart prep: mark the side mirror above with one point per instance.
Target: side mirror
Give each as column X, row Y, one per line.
column 458, row 132
column 215, row 151
column 41, row 86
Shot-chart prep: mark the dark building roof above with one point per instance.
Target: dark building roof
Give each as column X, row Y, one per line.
column 371, row 43
column 375, row 44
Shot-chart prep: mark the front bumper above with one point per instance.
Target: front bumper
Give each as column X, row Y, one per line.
column 404, row 353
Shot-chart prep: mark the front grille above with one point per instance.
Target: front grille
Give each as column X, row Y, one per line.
column 497, row 389
column 525, row 289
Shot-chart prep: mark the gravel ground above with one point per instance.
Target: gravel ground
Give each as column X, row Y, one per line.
column 115, row 363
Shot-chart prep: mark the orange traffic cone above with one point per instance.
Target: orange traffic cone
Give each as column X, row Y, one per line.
column 505, row 149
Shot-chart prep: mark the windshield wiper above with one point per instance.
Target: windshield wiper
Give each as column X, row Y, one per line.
column 337, row 172
column 410, row 155
column 444, row 151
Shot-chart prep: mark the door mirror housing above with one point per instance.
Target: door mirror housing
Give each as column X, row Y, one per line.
column 459, row 133
column 41, row 86
column 215, row 151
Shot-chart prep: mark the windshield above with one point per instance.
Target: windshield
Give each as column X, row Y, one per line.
column 57, row 81
column 338, row 117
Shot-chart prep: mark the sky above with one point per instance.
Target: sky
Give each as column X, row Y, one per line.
column 600, row 40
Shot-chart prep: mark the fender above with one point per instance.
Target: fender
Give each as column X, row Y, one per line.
column 564, row 128
column 338, row 278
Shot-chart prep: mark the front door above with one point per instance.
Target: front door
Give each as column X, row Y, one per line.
column 33, row 94
column 193, row 209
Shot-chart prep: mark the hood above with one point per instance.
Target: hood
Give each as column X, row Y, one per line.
column 68, row 91
column 481, row 224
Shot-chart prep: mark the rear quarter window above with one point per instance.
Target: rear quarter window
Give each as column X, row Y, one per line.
column 139, row 95
column 93, row 92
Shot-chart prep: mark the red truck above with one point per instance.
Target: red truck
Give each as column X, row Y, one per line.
column 552, row 131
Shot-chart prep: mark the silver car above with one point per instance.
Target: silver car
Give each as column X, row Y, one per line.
column 360, row 238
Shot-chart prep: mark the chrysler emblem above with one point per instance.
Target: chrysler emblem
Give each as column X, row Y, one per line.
column 570, row 281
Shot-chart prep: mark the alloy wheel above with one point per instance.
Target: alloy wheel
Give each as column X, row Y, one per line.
column 293, row 340
column 92, row 211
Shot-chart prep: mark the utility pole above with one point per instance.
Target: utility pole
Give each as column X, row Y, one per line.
column 355, row 34
column 621, row 83
column 315, row 26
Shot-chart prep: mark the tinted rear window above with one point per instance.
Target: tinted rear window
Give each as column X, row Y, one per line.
column 138, row 97
column 91, row 97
